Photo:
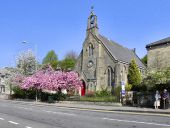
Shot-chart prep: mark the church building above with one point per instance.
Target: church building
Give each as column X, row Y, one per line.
column 103, row 63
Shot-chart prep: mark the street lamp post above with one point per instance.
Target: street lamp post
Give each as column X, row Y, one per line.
column 24, row 42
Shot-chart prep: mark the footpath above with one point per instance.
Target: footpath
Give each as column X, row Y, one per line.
column 97, row 106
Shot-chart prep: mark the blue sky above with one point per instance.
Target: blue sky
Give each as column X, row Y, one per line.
column 60, row 25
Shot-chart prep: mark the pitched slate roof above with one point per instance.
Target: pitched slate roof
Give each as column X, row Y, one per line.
column 159, row 42
column 119, row 52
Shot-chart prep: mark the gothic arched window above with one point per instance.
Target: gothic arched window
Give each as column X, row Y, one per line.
column 110, row 75
column 90, row 50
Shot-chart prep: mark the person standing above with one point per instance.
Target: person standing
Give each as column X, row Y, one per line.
column 157, row 100
column 165, row 97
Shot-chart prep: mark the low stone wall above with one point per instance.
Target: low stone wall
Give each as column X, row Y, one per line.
column 141, row 99
column 92, row 103
column 4, row 96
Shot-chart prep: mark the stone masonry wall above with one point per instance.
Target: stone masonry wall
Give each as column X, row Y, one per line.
column 158, row 57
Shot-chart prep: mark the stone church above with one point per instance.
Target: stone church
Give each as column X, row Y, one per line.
column 103, row 63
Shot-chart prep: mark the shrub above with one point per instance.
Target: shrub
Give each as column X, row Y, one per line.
column 23, row 94
column 30, row 94
column 59, row 96
column 134, row 75
column 128, row 87
column 45, row 96
column 90, row 94
column 18, row 92
column 102, row 93
column 116, row 92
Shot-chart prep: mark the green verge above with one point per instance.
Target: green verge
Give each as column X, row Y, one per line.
column 99, row 99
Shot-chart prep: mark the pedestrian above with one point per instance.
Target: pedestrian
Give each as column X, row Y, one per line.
column 157, row 100
column 165, row 97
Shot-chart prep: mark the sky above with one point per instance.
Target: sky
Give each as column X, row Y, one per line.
column 60, row 25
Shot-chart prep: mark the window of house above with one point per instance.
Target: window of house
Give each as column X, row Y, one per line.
column 2, row 89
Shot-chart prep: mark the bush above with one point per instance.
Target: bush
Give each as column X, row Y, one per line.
column 128, row 87
column 23, row 94
column 99, row 96
column 44, row 96
column 18, row 92
column 116, row 92
column 59, row 96
column 145, row 99
column 30, row 94
column 48, row 97
column 103, row 93
column 90, row 94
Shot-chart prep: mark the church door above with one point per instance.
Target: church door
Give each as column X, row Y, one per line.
column 83, row 89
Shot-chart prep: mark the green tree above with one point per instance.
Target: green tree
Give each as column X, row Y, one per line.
column 134, row 75
column 157, row 80
column 67, row 64
column 144, row 59
column 51, row 59
column 72, row 55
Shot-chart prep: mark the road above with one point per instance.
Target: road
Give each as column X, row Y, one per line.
column 16, row 115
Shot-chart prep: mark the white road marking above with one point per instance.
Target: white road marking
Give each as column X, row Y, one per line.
column 28, row 108
column 61, row 113
column 1, row 118
column 24, row 108
column 27, row 127
column 12, row 122
column 137, row 122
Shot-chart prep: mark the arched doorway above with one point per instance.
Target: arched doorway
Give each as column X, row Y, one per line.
column 83, row 88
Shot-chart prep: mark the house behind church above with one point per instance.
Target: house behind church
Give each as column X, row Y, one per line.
column 4, row 88
column 103, row 63
column 158, row 56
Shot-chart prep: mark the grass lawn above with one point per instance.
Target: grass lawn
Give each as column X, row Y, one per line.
column 99, row 99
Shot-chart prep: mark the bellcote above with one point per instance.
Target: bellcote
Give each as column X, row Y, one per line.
column 92, row 23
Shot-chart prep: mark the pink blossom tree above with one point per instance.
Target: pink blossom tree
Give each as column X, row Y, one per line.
column 52, row 80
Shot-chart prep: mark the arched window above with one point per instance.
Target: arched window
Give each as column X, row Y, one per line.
column 110, row 75
column 90, row 50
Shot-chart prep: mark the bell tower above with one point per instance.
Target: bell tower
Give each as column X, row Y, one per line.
column 92, row 23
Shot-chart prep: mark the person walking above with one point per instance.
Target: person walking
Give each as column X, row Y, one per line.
column 157, row 100
column 165, row 97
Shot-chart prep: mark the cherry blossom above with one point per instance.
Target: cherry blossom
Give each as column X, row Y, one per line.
column 52, row 80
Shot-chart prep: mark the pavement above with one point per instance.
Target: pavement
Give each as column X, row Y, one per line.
column 100, row 106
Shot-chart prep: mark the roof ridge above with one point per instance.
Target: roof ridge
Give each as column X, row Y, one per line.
column 159, row 42
column 116, row 43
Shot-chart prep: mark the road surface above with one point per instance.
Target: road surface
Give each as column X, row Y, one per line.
column 16, row 115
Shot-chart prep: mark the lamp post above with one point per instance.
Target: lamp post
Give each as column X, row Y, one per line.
column 35, row 50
